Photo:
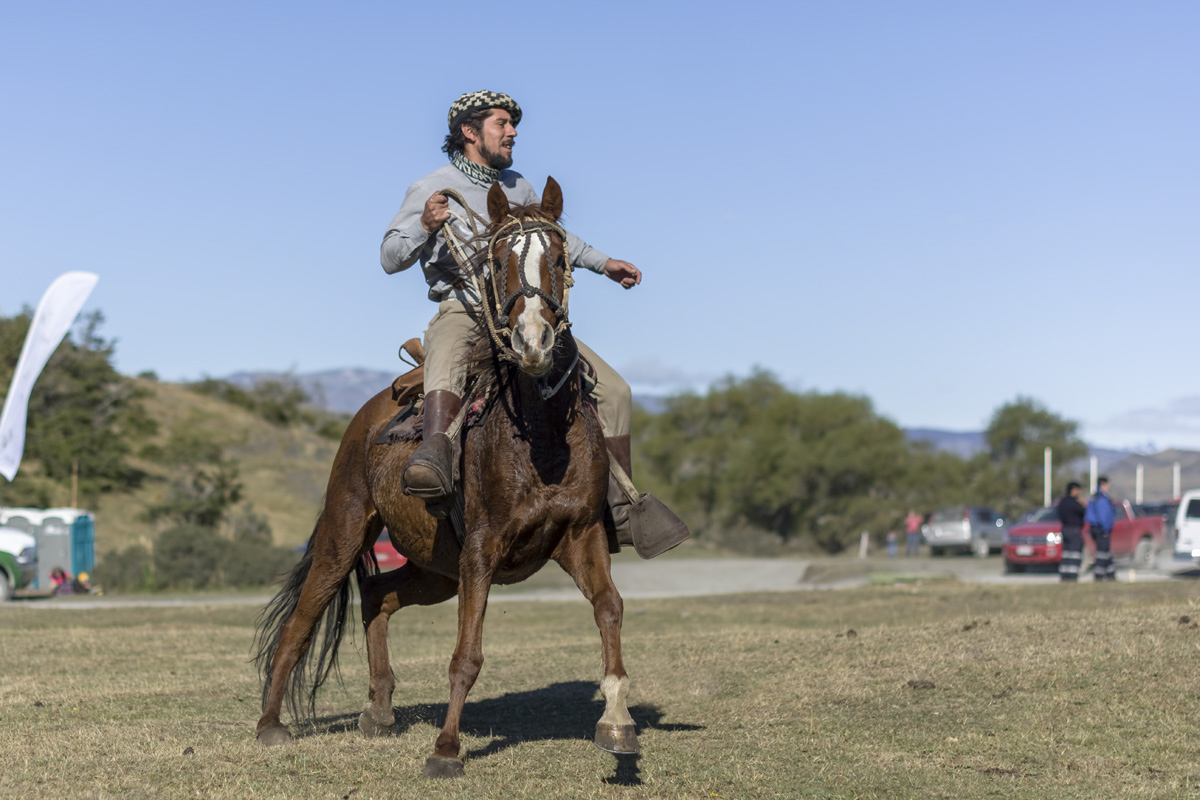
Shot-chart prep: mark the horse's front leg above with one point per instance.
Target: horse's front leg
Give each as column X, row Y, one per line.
column 586, row 559
column 475, row 578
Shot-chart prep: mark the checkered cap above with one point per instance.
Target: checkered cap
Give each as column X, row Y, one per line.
column 474, row 101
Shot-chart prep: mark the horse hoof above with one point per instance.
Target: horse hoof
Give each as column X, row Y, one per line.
column 443, row 767
column 273, row 737
column 619, row 739
column 371, row 728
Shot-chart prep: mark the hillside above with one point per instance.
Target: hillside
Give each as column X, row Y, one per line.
column 283, row 470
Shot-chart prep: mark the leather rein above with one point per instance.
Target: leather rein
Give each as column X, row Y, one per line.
column 496, row 318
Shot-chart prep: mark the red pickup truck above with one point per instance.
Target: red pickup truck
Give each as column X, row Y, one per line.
column 1039, row 539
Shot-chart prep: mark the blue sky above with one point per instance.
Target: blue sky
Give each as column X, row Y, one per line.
column 941, row 205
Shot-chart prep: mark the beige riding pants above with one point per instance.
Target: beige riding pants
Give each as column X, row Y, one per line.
column 445, row 369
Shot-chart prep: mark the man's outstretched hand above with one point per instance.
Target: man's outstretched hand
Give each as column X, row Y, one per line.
column 623, row 272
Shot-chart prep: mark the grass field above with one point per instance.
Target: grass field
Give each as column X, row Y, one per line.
column 928, row 689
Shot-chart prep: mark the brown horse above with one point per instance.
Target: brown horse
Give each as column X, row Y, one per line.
column 533, row 478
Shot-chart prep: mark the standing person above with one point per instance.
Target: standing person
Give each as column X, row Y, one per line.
column 891, row 544
column 912, row 533
column 1099, row 517
column 483, row 132
column 1070, row 514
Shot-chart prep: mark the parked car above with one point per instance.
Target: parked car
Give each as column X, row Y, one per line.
column 385, row 552
column 1039, row 541
column 971, row 529
column 18, row 561
column 1187, row 527
column 386, row 555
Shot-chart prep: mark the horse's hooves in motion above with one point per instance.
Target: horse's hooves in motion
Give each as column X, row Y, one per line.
column 443, row 767
column 272, row 737
column 372, row 727
column 619, row 739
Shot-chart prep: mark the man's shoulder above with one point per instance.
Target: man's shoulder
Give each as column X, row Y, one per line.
column 438, row 176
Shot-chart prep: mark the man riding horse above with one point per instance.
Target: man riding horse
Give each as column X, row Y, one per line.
column 483, row 130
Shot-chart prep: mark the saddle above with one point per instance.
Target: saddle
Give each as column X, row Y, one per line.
column 409, row 385
column 408, row 392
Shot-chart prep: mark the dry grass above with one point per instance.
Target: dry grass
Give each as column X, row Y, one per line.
column 1037, row 692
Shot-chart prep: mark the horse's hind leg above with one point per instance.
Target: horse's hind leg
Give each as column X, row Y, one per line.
column 382, row 596
column 335, row 546
column 587, row 561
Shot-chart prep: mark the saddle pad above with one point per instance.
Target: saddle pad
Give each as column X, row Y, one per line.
column 409, row 424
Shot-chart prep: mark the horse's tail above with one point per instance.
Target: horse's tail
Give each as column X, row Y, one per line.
column 304, row 678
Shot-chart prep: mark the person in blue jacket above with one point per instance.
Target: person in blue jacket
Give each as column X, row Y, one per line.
column 1099, row 517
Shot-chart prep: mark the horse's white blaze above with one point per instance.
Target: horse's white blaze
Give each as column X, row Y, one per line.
column 616, row 708
column 530, row 322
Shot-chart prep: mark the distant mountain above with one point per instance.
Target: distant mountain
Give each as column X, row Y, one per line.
column 653, row 403
column 966, row 444
column 340, row 390
column 962, row 443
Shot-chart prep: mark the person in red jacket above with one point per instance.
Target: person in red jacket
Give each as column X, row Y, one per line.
column 912, row 533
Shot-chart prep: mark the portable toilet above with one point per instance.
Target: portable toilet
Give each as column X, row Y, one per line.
column 65, row 538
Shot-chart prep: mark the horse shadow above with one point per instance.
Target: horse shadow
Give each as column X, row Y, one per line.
column 558, row 712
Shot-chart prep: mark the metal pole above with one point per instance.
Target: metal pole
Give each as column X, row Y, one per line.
column 1046, row 492
column 1095, row 474
column 1141, row 474
column 1177, row 483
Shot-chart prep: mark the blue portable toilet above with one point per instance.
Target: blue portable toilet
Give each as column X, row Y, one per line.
column 83, row 544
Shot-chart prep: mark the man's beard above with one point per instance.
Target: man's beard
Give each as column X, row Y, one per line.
column 495, row 160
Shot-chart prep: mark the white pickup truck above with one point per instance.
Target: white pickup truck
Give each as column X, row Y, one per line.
column 18, row 561
column 1187, row 527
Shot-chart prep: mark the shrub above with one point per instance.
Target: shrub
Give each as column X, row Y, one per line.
column 127, row 570
column 189, row 557
column 252, row 557
column 255, row 563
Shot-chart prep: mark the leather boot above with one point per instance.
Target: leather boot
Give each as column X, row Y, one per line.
column 429, row 473
column 616, row 515
column 633, row 517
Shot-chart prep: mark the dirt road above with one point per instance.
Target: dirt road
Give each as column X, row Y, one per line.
column 687, row 577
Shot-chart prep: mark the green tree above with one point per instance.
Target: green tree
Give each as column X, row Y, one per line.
column 81, row 412
column 1010, row 475
column 804, row 467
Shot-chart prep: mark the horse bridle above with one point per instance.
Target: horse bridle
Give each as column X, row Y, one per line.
column 496, row 319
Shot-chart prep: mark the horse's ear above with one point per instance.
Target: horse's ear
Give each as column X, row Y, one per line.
column 552, row 198
column 497, row 203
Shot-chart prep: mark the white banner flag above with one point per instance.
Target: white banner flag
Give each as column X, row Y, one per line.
column 55, row 314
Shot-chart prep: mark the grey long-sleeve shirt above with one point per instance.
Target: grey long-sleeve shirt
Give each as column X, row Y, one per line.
column 407, row 241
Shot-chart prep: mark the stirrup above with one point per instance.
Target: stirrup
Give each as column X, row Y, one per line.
column 429, row 473
column 642, row 519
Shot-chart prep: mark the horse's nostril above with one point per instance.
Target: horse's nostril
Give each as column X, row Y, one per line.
column 518, row 341
column 547, row 337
